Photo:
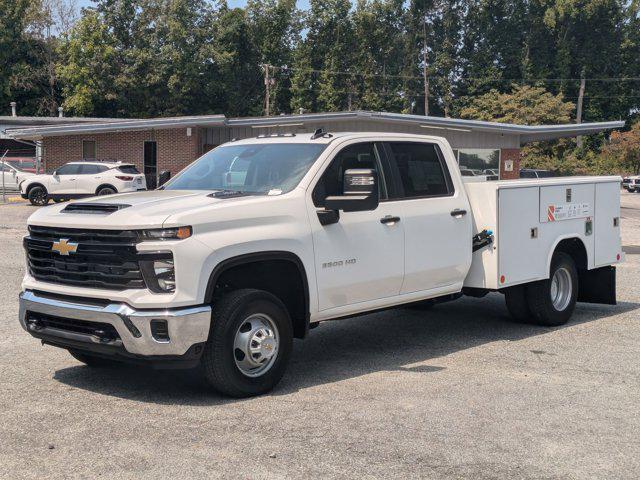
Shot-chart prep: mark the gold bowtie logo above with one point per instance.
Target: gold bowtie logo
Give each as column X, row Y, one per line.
column 64, row 246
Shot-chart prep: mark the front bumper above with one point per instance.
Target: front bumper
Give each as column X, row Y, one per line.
column 187, row 328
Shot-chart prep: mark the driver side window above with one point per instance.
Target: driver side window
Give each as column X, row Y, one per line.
column 69, row 169
column 360, row 155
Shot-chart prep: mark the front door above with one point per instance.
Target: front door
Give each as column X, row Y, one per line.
column 151, row 164
column 436, row 216
column 359, row 259
column 64, row 179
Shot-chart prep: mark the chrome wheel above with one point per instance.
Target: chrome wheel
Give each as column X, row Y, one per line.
column 255, row 347
column 561, row 289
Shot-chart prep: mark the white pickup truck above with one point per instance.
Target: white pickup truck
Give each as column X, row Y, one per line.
column 261, row 239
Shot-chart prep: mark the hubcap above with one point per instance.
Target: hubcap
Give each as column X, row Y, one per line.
column 255, row 346
column 561, row 289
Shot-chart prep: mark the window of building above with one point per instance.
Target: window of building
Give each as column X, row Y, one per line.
column 421, row 170
column 479, row 160
column 88, row 149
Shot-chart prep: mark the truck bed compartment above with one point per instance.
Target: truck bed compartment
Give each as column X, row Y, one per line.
column 529, row 218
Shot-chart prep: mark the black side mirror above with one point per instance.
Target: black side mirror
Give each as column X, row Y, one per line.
column 164, row 177
column 360, row 192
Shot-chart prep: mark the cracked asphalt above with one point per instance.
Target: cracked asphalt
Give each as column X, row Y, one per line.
column 453, row 392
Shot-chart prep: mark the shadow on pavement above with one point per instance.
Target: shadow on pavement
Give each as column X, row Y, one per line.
column 387, row 341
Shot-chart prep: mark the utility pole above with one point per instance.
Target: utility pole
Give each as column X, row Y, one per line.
column 424, row 67
column 579, row 107
column 268, row 81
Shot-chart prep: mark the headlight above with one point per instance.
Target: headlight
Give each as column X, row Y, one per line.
column 159, row 272
column 177, row 233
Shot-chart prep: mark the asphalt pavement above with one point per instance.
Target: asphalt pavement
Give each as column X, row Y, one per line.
column 454, row 392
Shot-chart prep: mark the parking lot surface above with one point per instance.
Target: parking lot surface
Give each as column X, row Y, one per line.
column 453, row 392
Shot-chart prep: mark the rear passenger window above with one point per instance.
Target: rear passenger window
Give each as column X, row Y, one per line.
column 421, row 170
column 88, row 169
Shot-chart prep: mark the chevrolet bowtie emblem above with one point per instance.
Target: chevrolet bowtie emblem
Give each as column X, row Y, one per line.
column 64, row 246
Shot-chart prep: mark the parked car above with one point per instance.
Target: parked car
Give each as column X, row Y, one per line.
column 632, row 183
column 229, row 261
column 26, row 164
column 467, row 172
column 491, row 171
column 12, row 176
column 535, row 173
column 82, row 179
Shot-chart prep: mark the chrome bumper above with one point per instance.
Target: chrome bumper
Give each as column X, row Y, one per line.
column 187, row 326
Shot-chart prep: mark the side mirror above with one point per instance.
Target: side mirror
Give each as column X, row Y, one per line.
column 164, row 177
column 360, row 192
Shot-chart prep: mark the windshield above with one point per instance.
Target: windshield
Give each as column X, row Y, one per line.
column 255, row 168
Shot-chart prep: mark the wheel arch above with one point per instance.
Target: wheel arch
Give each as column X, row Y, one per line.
column 31, row 186
column 575, row 248
column 106, row 185
column 259, row 263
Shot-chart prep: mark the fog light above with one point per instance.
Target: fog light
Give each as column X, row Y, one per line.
column 158, row 271
column 160, row 330
column 165, row 274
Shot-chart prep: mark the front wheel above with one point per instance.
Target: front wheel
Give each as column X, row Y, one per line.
column 38, row 196
column 552, row 301
column 249, row 343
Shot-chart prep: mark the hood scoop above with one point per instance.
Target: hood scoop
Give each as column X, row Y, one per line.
column 94, row 208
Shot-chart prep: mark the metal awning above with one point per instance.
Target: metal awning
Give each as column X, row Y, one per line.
column 526, row 133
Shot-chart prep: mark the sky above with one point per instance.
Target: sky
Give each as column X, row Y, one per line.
column 303, row 4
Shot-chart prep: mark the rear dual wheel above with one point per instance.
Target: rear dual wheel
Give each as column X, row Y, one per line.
column 548, row 302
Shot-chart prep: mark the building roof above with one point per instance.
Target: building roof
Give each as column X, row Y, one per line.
column 19, row 122
column 526, row 133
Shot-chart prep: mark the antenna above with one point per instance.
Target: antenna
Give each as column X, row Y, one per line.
column 319, row 133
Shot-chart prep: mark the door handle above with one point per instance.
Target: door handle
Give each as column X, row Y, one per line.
column 458, row 212
column 389, row 220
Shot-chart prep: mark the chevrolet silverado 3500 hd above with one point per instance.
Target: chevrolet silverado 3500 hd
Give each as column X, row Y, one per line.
column 261, row 239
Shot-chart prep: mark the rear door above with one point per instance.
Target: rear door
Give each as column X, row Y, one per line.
column 89, row 178
column 435, row 215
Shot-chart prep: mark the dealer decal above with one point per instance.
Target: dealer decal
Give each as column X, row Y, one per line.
column 568, row 211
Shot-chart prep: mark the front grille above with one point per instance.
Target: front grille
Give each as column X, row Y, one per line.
column 104, row 258
column 104, row 331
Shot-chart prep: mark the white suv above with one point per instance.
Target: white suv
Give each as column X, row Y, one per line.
column 82, row 179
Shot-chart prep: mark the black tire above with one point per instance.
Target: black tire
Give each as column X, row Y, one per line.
column 38, row 196
column 229, row 314
column 106, row 191
column 543, row 311
column 516, row 300
column 94, row 361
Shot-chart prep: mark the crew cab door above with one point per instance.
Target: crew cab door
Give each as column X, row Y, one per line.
column 435, row 213
column 359, row 258
column 64, row 179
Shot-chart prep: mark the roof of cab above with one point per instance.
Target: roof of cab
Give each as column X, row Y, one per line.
column 328, row 137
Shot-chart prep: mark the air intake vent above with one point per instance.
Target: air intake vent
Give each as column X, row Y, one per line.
column 93, row 207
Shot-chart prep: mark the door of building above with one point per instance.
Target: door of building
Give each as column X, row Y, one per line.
column 151, row 164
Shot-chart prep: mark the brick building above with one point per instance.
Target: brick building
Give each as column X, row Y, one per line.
column 172, row 143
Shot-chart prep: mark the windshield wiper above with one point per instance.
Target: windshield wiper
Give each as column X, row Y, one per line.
column 224, row 193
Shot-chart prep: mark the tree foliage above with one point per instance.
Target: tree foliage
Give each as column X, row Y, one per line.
column 506, row 60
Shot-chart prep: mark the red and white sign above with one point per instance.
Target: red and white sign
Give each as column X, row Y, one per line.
column 568, row 211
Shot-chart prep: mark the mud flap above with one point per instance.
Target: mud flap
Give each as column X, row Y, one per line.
column 597, row 285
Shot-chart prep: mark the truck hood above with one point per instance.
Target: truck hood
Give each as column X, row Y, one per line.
column 148, row 209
